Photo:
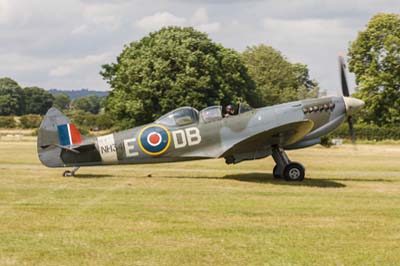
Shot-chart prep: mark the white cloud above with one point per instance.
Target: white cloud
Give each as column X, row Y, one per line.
column 199, row 17
column 14, row 62
column 104, row 15
column 198, row 20
column 310, row 27
column 93, row 59
column 13, row 12
column 4, row 11
column 209, row 27
column 159, row 20
column 84, row 28
column 77, row 64
column 60, row 71
column 306, row 33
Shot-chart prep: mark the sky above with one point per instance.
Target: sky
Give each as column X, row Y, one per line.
column 62, row 44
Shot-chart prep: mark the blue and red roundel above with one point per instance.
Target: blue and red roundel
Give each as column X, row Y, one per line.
column 154, row 139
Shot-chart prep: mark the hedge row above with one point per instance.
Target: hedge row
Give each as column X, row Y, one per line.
column 7, row 122
column 368, row 132
column 25, row 121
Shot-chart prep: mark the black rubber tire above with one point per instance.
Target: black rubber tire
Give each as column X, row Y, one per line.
column 68, row 173
column 274, row 172
column 294, row 172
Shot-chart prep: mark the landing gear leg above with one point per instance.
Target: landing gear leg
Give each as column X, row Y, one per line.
column 276, row 173
column 290, row 171
column 72, row 172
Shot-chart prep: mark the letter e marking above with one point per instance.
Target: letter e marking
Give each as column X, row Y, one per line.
column 129, row 145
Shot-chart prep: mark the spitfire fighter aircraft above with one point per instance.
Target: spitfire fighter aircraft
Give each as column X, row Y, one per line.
column 187, row 134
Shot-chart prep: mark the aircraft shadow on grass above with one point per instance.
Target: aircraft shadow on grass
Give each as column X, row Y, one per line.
column 92, row 176
column 365, row 180
column 264, row 178
column 268, row 178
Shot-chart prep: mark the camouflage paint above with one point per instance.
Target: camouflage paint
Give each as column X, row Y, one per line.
column 246, row 136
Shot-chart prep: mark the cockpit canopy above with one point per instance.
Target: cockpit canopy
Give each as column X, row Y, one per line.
column 179, row 117
column 212, row 113
column 244, row 107
column 189, row 115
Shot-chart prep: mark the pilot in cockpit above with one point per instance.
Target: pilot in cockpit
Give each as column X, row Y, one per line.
column 229, row 111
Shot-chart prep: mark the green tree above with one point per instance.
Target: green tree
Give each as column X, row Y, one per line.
column 88, row 104
column 104, row 121
column 305, row 87
column 83, row 120
column 62, row 101
column 374, row 58
column 170, row 68
column 11, row 97
column 277, row 79
column 37, row 100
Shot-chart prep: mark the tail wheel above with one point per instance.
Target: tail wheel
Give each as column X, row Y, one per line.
column 68, row 173
column 294, row 172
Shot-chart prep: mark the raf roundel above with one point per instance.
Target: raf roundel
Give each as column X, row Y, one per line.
column 154, row 139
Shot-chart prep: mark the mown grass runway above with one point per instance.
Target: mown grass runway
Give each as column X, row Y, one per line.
column 347, row 212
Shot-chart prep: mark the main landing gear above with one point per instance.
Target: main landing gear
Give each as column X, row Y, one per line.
column 290, row 171
column 71, row 173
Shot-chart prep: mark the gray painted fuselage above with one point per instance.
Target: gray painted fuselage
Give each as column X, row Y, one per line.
column 249, row 135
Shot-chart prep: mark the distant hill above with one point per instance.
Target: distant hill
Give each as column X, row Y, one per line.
column 75, row 94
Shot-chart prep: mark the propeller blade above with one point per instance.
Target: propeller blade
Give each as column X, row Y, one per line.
column 351, row 129
column 343, row 79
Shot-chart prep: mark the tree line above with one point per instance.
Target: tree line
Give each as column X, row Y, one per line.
column 31, row 103
column 15, row 100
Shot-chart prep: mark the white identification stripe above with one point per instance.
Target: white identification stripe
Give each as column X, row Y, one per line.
column 107, row 149
column 69, row 134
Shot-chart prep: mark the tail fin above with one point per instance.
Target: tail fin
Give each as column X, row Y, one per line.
column 55, row 131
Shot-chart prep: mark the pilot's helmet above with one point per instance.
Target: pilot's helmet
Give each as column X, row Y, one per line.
column 229, row 108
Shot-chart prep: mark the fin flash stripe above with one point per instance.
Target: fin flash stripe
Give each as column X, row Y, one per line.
column 68, row 134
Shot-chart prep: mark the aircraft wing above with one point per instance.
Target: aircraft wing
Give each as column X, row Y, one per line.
column 282, row 135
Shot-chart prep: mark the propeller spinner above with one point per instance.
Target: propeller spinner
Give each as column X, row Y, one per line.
column 353, row 105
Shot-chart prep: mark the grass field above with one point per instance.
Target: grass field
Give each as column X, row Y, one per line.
column 347, row 212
